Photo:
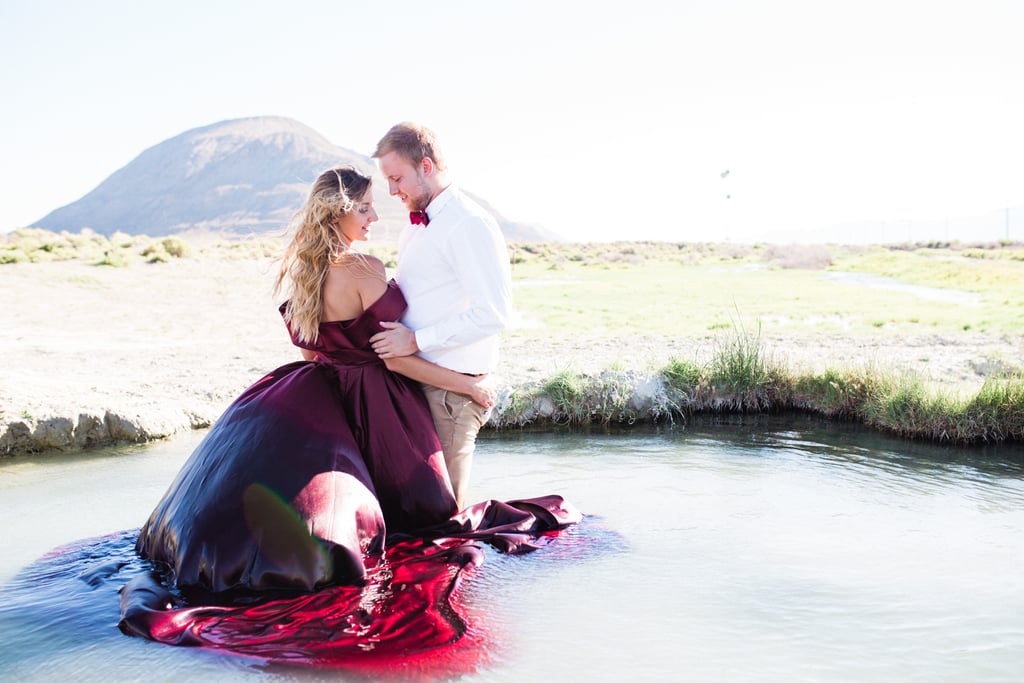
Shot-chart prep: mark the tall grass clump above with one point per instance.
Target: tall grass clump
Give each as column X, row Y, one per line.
column 570, row 398
column 744, row 375
column 905, row 407
column 684, row 381
column 566, row 391
column 514, row 408
column 839, row 394
column 579, row 399
column 608, row 398
column 996, row 413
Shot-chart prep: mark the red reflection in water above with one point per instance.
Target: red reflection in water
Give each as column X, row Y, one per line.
column 404, row 621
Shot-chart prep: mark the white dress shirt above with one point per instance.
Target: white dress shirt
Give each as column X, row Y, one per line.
column 456, row 278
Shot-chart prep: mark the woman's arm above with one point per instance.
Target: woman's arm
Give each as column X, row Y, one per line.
column 421, row 370
column 307, row 354
column 477, row 388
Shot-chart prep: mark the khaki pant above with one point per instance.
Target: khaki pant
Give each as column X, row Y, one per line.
column 457, row 420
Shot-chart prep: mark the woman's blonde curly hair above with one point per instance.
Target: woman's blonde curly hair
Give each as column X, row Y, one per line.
column 316, row 245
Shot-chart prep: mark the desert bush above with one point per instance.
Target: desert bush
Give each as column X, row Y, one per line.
column 122, row 240
column 176, row 247
column 803, row 256
column 116, row 258
column 734, row 252
column 12, row 256
column 155, row 254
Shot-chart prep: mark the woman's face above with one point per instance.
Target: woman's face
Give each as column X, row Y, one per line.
column 355, row 225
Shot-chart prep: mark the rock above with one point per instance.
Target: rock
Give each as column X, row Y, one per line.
column 91, row 430
column 54, row 433
column 17, row 438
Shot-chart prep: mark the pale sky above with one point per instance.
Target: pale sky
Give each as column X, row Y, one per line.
column 600, row 120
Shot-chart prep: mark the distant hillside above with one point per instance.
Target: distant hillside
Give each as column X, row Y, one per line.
column 514, row 230
column 235, row 177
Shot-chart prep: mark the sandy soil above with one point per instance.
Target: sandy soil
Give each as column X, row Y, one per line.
column 93, row 354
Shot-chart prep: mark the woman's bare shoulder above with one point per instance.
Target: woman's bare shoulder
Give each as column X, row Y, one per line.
column 357, row 267
column 352, row 285
column 373, row 264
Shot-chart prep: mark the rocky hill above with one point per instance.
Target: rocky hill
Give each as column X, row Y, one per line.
column 235, row 177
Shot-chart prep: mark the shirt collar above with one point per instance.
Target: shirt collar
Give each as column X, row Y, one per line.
column 437, row 204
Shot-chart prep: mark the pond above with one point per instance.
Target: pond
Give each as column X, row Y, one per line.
column 773, row 550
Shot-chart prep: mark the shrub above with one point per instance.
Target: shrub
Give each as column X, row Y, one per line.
column 176, row 247
column 805, row 256
column 116, row 258
column 12, row 256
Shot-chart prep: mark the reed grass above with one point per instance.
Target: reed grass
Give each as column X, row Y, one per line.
column 570, row 398
column 743, row 378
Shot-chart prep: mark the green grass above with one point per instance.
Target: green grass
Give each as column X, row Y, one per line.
column 742, row 378
column 697, row 292
column 700, row 290
column 574, row 398
column 657, row 288
column 993, row 272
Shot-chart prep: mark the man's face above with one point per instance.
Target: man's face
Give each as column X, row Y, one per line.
column 405, row 180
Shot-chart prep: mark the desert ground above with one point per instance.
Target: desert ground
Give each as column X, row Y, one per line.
column 94, row 354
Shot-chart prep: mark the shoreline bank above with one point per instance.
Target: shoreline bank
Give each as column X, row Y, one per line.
column 99, row 355
column 540, row 383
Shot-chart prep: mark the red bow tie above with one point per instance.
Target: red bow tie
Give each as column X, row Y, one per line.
column 419, row 218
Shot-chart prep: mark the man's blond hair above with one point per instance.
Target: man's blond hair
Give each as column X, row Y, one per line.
column 412, row 142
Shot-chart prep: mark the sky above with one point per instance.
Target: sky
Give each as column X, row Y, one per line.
column 718, row 120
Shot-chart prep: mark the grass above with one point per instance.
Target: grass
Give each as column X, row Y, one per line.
column 570, row 398
column 742, row 378
column 696, row 291
column 605, row 291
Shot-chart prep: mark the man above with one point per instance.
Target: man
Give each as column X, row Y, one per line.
column 453, row 268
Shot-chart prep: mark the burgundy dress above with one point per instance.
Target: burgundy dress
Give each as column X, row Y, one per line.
column 321, row 484
column 305, row 472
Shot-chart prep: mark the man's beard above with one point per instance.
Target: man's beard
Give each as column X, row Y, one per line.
column 419, row 201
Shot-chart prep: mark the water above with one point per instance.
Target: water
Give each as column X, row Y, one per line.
column 775, row 551
column 955, row 296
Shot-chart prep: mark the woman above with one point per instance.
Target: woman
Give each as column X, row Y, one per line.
column 304, row 472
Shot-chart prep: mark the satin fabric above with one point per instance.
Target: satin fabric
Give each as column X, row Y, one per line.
column 305, row 472
column 317, row 487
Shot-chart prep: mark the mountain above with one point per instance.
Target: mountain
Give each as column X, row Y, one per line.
column 516, row 230
column 235, row 177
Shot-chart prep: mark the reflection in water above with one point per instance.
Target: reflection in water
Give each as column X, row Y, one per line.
column 737, row 549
